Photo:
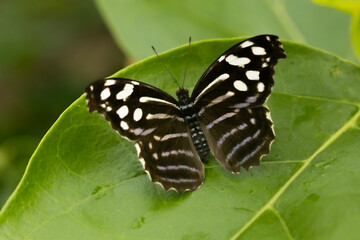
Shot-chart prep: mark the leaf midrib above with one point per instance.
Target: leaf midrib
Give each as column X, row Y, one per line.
column 270, row 204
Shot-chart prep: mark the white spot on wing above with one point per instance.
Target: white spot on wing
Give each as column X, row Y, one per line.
column 142, row 161
column 251, row 99
column 231, row 132
column 252, row 120
column 177, row 152
column 221, row 58
column 158, row 116
column 126, row 92
column 253, row 152
column 135, row 82
column 138, row 131
column 267, row 38
column 138, row 150
column 240, row 85
column 258, row 50
column 220, row 78
column 174, row 135
column 137, row 114
column 105, row 94
column 180, row 119
column 178, row 180
column 148, row 131
column 236, row 61
column 260, row 87
column 241, row 105
column 124, row 125
column 123, row 111
column 246, row 44
column 237, row 146
column 217, row 100
column 267, row 114
column 109, row 82
column 91, row 88
column 253, row 75
column 151, row 99
column 176, row 167
column 219, row 119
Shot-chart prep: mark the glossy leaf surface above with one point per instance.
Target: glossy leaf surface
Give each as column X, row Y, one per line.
column 85, row 182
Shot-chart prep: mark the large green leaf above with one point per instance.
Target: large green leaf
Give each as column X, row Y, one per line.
column 85, row 182
column 138, row 24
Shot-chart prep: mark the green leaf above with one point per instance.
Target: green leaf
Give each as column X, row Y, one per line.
column 138, row 24
column 84, row 181
column 352, row 7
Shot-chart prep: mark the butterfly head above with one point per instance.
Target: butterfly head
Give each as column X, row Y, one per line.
column 182, row 94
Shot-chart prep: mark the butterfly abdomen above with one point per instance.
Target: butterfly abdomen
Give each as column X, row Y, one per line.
column 190, row 116
column 198, row 138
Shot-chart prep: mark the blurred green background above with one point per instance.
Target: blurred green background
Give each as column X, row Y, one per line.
column 49, row 52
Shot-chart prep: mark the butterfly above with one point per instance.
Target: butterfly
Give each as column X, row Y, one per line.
column 225, row 114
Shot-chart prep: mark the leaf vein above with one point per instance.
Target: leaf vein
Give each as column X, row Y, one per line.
column 67, row 211
column 283, row 223
column 318, row 98
column 270, row 204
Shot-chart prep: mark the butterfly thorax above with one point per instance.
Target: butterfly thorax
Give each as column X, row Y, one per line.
column 190, row 115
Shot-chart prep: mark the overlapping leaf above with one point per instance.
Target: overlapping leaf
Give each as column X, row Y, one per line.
column 138, row 24
column 352, row 7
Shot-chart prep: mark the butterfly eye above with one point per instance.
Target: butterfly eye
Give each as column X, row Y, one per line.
column 182, row 93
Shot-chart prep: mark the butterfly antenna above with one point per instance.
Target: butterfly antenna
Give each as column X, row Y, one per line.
column 165, row 66
column 187, row 62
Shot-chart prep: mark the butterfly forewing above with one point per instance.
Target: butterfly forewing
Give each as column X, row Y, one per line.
column 151, row 118
column 229, row 98
column 242, row 76
column 133, row 108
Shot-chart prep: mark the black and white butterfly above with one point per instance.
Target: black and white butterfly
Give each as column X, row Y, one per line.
column 225, row 115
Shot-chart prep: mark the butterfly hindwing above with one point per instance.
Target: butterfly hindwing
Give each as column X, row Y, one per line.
column 238, row 138
column 151, row 118
column 171, row 159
